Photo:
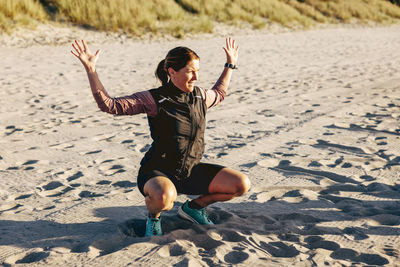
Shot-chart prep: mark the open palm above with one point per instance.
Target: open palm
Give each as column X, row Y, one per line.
column 83, row 54
column 232, row 52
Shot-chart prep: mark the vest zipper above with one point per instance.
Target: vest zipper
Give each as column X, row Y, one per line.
column 192, row 137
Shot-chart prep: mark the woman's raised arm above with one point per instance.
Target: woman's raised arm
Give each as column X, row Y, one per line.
column 217, row 93
column 141, row 102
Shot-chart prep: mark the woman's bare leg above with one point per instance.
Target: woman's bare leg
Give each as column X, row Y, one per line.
column 160, row 195
column 226, row 185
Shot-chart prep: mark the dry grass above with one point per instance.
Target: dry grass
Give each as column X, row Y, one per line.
column 135, row 17
column 276, row 11
column 15, row 13
column 308, row 10
column 178, row 17
column 361, row 10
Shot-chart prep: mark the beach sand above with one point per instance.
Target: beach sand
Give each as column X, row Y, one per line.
column 312, row 117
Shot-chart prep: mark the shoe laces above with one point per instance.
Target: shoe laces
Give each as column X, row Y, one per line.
column 154, row 226
column 204, row 214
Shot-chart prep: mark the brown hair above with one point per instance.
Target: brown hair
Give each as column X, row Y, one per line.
column 177, row 59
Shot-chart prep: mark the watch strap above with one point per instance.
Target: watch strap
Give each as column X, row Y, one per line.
column 230, row 65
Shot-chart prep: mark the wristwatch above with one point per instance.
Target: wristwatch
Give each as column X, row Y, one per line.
column 230, row 65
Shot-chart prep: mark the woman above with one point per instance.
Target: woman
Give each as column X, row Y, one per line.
column 176, row 114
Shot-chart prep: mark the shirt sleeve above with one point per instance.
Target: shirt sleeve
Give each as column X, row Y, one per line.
column 215, row 95
column 140, row 102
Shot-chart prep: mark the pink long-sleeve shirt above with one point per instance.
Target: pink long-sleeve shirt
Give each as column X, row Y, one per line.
column 143, row 102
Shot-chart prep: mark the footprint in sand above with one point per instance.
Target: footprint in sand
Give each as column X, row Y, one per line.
column 88, row 194
column 62, row 192
column 171, row 250
column 236, row 257
column 30, row 162
column 289, row 237
column 231, row 236
column 391, row 251
column 33, row 257
column 52, row 185
column 314, row 242
column 24, row 166
column 93, row 152
column 103, row 182
column 280, row 249
column 80, row 248
column 352, row 255
column 23, row 196
column 314, row 164
column 133, row 228
column 307, row 111
column 6, row 208
column 124, row 184
column 13, row 168
column 12, row 129
column 75, row 176
column 286, row 168
column 346, row 165
column 356, row 233
column 113, row 170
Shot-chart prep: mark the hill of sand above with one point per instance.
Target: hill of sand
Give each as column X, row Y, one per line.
column 311, row 117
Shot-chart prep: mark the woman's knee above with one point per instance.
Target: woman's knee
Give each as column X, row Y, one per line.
column 164, row 197
column 243, row 186
column 230, row 181
column 160, row 191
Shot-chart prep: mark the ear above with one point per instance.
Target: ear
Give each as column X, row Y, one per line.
column 171, row 71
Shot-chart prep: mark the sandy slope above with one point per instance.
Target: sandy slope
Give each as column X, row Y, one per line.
column 312, row 117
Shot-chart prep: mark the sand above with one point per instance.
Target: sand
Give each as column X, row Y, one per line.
column 312, row 117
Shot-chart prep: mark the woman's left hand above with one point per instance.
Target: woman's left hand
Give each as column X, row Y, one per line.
column 232, row 52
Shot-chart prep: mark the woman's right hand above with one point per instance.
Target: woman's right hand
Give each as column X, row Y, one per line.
column 88, row 60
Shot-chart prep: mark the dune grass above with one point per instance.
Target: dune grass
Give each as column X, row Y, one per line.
column 178, row 17
column 361, row 10
column 16, row 13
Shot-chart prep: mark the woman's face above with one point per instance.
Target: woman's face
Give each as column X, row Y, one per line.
column 185, row 78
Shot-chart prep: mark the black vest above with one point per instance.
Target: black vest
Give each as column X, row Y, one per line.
column 177, row 131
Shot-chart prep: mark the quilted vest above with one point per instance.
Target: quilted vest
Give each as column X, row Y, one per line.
column 177, row 131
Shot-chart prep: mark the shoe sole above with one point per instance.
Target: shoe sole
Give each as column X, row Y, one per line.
column 186, row 216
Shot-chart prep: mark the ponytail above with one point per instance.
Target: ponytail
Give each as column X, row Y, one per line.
column 161, row 72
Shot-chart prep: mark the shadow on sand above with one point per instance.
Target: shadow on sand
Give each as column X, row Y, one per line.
column 293, row 223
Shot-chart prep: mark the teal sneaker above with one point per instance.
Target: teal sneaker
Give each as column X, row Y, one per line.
column 195, row 216
column 153, row 227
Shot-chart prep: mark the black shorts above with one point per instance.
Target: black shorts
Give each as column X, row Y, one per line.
column 196, row 184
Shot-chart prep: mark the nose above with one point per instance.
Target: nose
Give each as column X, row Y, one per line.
column 195, row 76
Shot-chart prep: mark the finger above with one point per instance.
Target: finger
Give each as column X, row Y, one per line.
column 233, row 44
column 230, row 42
column 226, row 51
column 96, row 55
column 76, row 49
column 79, row 47
column 85, row 46
column 227, row 42
column 72, row 52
